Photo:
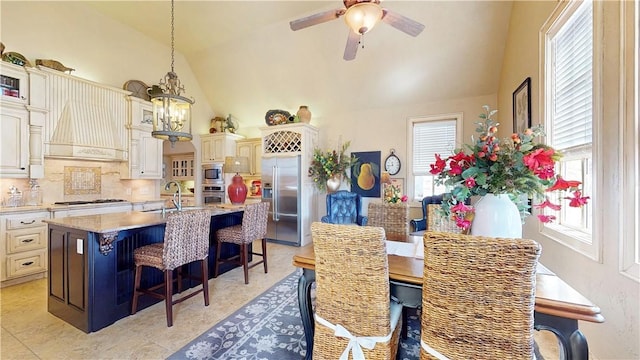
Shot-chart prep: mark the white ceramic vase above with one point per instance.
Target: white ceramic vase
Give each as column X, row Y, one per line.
column 333, row 184
column 496, row 216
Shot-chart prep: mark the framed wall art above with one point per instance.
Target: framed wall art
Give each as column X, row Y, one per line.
column 398, row 183
column 522, row 106
column 365, row 175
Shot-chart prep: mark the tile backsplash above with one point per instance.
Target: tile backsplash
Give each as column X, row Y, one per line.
column 111, row 186
column 82, row 180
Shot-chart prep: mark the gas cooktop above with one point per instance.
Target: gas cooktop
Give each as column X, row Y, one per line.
column 83, row 202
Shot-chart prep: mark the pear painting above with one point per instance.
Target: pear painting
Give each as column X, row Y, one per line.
column 365, row 176
column 366, row 179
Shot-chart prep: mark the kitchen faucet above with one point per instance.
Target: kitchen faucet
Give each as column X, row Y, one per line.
column 178, row 203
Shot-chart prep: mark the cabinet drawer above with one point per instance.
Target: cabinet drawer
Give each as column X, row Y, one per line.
column 26, row 263
column 26, row 239
column 26, row 221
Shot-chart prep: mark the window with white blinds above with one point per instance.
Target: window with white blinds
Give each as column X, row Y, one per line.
column 572, row 103
column 572, row 84
column 430, row 135
column 430, row 138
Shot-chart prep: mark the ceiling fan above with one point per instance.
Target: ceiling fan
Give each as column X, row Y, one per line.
column 361, row 16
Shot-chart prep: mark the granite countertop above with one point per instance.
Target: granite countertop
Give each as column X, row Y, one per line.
column 105, row 223
column 50, row 207
column 23, row 209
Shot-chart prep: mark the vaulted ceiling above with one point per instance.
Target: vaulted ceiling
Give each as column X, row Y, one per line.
column 247, row 59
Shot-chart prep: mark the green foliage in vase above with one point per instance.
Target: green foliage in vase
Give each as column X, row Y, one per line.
column 327, row 164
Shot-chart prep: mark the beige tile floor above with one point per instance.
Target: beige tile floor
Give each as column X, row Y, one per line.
column 28, row 331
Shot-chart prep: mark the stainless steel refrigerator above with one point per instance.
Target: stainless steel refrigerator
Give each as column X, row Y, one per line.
column 281, row 189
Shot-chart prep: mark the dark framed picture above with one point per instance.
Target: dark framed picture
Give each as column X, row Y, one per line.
column 365, row 175
column 522, row 107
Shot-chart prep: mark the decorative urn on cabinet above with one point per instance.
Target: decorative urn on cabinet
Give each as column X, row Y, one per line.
column 304, row 114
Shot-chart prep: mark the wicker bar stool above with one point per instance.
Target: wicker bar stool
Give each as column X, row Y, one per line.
column 352, row 293
column 478, row 297
column 186, row 239
column 254, row 226
column 393, row 218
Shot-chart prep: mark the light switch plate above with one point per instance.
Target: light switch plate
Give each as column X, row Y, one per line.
column 79, row 247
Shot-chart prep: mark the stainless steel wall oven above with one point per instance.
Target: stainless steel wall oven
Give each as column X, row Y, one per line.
column 213, row 194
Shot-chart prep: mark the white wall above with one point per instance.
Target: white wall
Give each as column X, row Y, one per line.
column 601, row 282
column 384, row 129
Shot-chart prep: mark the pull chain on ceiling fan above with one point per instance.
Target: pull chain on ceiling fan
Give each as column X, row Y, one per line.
column 361, row 16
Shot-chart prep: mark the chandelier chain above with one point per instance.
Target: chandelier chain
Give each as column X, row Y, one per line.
column 172, row 35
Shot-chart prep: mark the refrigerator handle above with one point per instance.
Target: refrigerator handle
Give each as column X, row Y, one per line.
column 274, row 194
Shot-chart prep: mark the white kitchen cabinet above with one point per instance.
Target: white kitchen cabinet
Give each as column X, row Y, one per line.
column 215, row 147
column 182, row 167
column 186, row 200
column 251, row 148
column 22, row 114
column 23, row 247
column 145, row 151
column 14, row 147
column 14, row 81
column 150, row 157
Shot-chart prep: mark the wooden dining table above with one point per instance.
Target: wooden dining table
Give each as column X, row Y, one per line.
column 558, row 307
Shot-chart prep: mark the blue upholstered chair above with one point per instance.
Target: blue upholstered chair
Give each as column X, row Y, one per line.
column 344, row 207
column 421, row 224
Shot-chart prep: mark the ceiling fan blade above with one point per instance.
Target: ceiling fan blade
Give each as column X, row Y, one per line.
column 315, row 19
column 352, row 46
column 402, row 23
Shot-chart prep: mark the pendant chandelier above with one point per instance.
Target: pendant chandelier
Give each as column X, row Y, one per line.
column 171, row 110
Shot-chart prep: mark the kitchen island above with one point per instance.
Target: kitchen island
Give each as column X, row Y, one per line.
column 91, row 267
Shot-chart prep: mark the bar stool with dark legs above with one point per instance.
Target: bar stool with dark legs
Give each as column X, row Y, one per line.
column 186, row 239
column 254, row 227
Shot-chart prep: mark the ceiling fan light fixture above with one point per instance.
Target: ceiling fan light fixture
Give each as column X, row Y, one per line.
column 362, row 17
column 171, row 110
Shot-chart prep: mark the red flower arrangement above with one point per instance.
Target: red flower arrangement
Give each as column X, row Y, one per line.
column 516, row 166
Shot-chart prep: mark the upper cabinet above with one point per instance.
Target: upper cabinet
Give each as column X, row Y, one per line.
column 215, row 147
column 251, row 148
column 14, row 81
column 14, row 155
column 145, row 151
column 22, row 117
column 289, row 140
column 182, row 167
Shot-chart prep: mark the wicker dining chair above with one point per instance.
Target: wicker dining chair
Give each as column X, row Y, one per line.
column 186, row 240
column 393, row 218
column 253, row 227
column 478, row 297
column 431, row 219
column 352, row 293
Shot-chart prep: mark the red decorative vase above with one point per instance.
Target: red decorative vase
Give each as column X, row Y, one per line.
column 237, row 190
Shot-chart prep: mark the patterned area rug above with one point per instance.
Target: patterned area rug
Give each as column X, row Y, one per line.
column 269, row 327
